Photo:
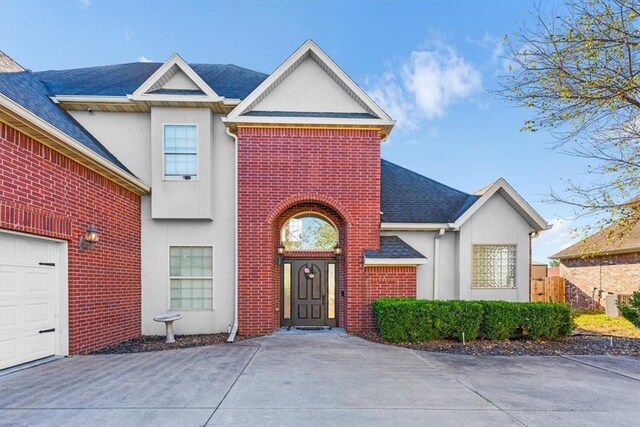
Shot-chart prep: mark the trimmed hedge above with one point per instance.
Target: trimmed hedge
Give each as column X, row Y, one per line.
column 411, row 320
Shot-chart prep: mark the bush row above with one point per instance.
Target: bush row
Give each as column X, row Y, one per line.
column 411, row 320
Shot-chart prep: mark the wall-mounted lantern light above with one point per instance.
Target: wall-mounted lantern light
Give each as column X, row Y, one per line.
column 89, row 238
column 337, row 250
column 280, row 253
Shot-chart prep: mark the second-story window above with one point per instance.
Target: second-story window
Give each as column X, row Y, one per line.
column 180, row 151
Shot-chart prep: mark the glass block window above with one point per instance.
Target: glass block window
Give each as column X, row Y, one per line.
column 191, row 277
column 494, row 266
column 180, row 151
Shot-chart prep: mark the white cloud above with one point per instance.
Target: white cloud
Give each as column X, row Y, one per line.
column 561, row 236
column 85, row 3
column 143, row 58
column 425, row 85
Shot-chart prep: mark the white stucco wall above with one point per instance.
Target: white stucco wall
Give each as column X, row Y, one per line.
column 309, row 88
column 128, row 136
column 496, row 222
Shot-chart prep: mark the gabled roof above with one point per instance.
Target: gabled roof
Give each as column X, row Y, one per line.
column 28, row 92
column 309, row 50
column 511, row 196
column 228, row 80
column 153, row 87
column 614, row 239
column 408, row 197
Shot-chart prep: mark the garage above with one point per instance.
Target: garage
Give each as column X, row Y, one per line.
column 32, row 298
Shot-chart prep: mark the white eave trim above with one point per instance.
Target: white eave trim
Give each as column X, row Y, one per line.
column 90, row 99
column 408, row 226
column 307, row 121
column 71, row 142
column 394, row 261
column 309, row 47
column 488, row 192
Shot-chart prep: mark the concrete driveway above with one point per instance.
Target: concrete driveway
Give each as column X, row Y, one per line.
column 321, row 378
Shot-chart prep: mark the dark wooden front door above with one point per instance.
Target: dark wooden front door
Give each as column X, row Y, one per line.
column 309, row 290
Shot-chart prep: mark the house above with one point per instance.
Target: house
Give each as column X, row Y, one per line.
column 244, row 201
column 605, row 262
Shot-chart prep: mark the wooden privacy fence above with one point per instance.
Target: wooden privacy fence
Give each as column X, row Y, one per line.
column 549, row 289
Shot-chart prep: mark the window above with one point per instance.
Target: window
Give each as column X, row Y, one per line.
column 308, row 232
column 494, row 266
column 180, row 151
column 191, row 277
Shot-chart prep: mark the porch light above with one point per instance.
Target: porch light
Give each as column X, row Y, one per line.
column 89, row 238
column 280, row 253
column 337, row 250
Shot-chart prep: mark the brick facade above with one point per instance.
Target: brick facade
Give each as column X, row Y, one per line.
column 390, row 281
column 619, row 274
column 45, row 193
column 283, row 170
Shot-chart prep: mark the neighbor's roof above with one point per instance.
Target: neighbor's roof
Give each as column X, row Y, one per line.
column 408, row 197
column 227, row 80
column 611, row 240
column 27, row 91
column 393, row 247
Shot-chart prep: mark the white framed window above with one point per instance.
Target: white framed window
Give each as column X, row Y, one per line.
column 191, row 277
column 494, row 266
column 180, row 151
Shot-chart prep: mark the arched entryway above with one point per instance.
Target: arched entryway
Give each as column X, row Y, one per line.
column 310, row 238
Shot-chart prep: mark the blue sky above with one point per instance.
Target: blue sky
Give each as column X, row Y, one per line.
column 431, row 64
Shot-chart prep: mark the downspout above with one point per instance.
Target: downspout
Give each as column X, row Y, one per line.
column 234, row 327
column 436, row 262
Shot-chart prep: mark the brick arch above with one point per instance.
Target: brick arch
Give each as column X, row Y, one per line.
column 309, row 198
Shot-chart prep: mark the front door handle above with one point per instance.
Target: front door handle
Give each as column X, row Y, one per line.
column 323, row 297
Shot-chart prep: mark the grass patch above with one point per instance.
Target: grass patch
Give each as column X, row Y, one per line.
column 600, row 323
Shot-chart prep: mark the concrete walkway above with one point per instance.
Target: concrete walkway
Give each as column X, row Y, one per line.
column 321, row 378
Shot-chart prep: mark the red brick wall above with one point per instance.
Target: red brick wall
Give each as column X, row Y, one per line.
column 392, row 281
column 278, row 169
column 44, row 193
column 619, row 274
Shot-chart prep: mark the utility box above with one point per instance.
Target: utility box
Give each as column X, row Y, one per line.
column 611, row 305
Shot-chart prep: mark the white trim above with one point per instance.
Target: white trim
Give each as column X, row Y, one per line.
column 141, row 94
column 394, row 261
column 180, row 178
column 308, row 48
column 501, row 184
column 306, row 121
column 408, row 226
column 71, row 142
column 90, row 99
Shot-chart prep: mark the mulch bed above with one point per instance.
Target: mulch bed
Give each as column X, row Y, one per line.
column 578, row 343
column 156, row 343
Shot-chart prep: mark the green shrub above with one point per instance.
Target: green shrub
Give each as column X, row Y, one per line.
column 631, row 311
column 403, row 319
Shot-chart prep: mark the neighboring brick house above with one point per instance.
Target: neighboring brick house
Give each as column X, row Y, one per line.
column 270, row 205
column 605, row 262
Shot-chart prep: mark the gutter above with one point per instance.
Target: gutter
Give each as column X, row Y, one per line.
column 436, row 263
column 234, row 327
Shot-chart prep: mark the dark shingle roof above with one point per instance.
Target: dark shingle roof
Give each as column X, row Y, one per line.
column 393, row 247
column 229, row 80
column 310, row 114
column 27, row 91
column 409, row 197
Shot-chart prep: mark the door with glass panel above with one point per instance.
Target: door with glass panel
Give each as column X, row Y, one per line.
column 309, row 290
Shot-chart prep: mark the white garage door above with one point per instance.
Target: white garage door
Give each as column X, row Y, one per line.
column 28, row 275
